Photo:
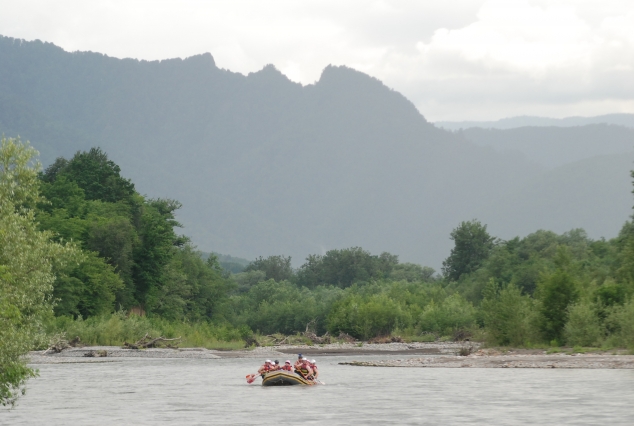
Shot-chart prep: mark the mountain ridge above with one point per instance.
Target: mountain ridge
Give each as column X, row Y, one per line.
column 267, row 166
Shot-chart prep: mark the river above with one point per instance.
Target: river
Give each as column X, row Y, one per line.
column 193, row 391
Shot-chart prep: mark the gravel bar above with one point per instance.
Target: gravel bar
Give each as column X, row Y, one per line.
column 482, row 359
column 91, row 354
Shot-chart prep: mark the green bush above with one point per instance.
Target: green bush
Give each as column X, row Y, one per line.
column 509, row 316
column 451, row 314
column 366, row 317
column 583, row 327
column 115, row 329
column 621, row 321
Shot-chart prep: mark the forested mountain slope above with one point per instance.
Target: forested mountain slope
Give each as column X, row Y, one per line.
column 266, row 166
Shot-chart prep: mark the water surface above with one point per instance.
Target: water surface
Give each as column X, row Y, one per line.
column 184, row 391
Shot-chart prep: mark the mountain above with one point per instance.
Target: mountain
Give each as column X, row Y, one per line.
column 593, row 193
column 626, row 120
column 556, row 146
column 266, row 166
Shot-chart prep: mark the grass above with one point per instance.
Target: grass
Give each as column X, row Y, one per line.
column 115, row 329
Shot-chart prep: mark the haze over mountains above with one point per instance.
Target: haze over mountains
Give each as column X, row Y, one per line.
column 266, row 166
column 626, row 120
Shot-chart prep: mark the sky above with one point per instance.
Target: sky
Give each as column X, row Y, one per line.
column 454, row 59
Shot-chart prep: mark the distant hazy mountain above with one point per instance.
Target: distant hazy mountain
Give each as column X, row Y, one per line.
column 556, row 146
column 266, row 166
column 587, row 194
column 626, row 120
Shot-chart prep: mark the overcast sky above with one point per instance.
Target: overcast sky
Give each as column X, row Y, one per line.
column 455, row 59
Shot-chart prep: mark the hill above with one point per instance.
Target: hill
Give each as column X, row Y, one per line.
column 266, row 166
column 556, row 146
column 626, row 120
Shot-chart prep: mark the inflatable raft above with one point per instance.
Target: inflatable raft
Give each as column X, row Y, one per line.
column 284, row 378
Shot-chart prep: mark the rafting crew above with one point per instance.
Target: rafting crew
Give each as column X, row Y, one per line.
column 268, row 366
column 313, row 366
column 303, row 367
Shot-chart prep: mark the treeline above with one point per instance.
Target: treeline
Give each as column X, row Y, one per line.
column 543, row 289
column 132, row 256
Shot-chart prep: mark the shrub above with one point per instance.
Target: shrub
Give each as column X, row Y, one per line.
column 621, row 321
column 366, row 317
column 583, row 327
column 508, row 316
column 451, row 314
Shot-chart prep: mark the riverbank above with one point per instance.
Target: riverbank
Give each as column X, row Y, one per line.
column 421, row 355
column 93, row 354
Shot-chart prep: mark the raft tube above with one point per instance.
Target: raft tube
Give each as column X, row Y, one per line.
column 284, row 378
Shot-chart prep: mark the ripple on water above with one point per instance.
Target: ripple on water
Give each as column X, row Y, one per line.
column 169, row 391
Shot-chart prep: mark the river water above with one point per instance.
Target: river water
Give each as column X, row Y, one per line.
column 214, row 391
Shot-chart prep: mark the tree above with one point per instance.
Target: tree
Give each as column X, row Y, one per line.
column 472, row 246
column 556, row 292
column 276, row 268
column 158, row 243
column 343, row 268
column 99, row 177
column 27, row 259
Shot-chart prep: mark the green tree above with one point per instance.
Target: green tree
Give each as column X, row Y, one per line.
column 27, row 259
column 412, row 272
column 343, row 268
column 99, row 177
column 508, row 315
column 276, row 268
column 472, row 246
column 158, row 243
column 556, row 292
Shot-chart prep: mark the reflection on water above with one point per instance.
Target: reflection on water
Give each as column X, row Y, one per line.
column 215, row 392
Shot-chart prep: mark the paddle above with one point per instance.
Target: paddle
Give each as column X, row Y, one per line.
column 251, row 377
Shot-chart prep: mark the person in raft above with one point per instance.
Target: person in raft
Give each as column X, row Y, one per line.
column 302, row 367
column 268, row 366
column 287, row 366
column 276, row 366
column 313, row 365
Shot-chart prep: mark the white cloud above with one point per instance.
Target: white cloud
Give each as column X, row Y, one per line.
column 458, row 59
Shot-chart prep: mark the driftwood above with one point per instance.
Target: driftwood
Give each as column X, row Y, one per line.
column 312, row 336
column 316, row 339
column 277, row 341
column 149, row 342
column 346, row 337
column 59, row 342
column 92, row 354
column 250, row 341
column 386, row 339
column 462, row 336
